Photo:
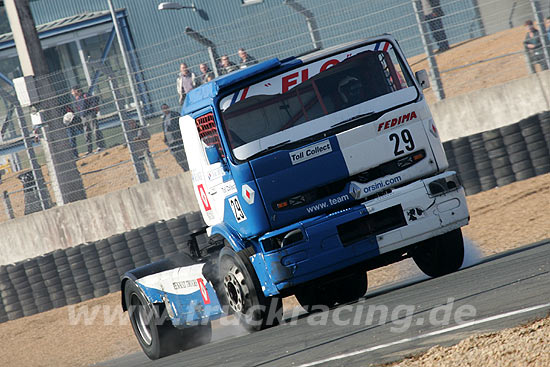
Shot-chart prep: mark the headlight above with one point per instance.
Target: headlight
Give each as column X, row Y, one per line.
column 444, row 185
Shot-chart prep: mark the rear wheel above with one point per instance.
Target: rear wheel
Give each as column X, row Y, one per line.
column 440, row 255
column 242, row 294
column 154, row 330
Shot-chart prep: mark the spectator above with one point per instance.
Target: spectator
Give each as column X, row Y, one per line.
column 87, row 107
column 185, row 82
column 246, row 59
column 207, row 74
column 74, row 127
column 227, row 66
column 172, row 136
column 138, row 138
column 533, row 45
column 433, row 14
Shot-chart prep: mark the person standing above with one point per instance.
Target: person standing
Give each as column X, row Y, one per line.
column 533, row 44
column 87, row 107
column 207, row 74
column 433, row 14
column 226, row 65
column 246, row 59
column 172, row 136
column 185, row 82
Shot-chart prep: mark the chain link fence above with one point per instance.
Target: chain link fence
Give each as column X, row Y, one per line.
column 102, row 145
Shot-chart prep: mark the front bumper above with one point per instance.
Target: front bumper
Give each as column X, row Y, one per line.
column 325, row 248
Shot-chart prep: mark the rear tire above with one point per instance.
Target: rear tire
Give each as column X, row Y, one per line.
column 154, row 330
column 440, row 255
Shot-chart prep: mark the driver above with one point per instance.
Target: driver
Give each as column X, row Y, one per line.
column 350, row 90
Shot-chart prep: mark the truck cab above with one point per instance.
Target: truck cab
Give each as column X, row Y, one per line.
column 322, row 167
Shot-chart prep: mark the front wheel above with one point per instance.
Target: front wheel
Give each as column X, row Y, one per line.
column 242, row 294
column 440, row 255
column 154, row 330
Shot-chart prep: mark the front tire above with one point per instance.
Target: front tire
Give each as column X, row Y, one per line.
column 242, row 294
column 155, row 333
column 440, row 255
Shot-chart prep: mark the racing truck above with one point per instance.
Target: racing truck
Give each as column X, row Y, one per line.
column 309, row 171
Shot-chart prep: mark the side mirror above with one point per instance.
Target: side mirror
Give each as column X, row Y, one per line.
column 423, row 79
column 212, row 154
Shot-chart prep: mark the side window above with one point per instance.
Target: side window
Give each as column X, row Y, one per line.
column 208, row 132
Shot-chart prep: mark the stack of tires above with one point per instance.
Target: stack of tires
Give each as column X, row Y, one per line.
column 81, row 277
column 544, row 119
column 482, row 164
column 517, row 152
column 108, row 265
column 180, row 233
column 165, row 239
column 121, row 253
column 10, row 301
column 137, row 249
column 51, row 279
column 66, row 277
column 466, row 168
column 536, row 145
column 18, row 277
column 95, row 270
column 151, row 242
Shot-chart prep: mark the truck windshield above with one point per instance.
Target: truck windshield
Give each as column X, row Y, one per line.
column 314, row 97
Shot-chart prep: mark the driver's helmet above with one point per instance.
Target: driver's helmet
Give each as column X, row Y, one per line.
column 349, row 89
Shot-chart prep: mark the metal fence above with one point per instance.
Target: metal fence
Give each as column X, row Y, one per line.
column 467, row 44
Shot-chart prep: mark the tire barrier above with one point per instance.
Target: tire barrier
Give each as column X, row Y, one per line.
column 90, row 270
column 63, row 277
column 501, row 156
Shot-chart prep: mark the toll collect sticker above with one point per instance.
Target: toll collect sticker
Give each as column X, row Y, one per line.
column 310, row 152
column 237, row 209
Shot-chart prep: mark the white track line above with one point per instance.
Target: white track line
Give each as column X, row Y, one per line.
column 423, row 336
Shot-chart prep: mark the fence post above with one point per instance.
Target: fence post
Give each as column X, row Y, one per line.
column 537, row 12
column 434, row 69
column 7, row 205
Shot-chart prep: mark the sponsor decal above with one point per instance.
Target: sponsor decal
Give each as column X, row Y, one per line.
column 248, row 194
column 228, row 188
column 204, row 198
column 204, row 291
column 396, row 121
column 216, row 173
column 310, row 152
column 328, row 203
column 372, row 187
column 185, row 284
column 237, row 209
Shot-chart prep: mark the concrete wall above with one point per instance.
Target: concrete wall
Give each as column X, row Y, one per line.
column 96, row 218
column 493, row 107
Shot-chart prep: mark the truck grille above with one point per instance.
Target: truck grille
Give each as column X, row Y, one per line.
column 371, row 225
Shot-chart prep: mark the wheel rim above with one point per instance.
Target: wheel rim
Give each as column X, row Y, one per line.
column 235, row 289
column 141, row 318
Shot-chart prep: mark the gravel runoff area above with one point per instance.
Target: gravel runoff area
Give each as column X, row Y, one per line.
column 501, row 219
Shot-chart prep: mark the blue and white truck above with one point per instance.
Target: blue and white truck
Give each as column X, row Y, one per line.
column 309, row 172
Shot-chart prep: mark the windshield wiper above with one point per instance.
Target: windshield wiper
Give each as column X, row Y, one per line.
column 354, row 118
column 269, row 149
